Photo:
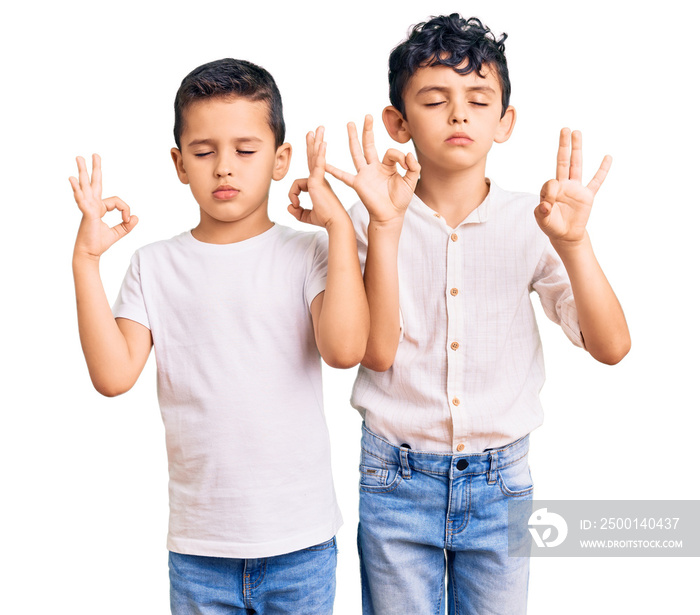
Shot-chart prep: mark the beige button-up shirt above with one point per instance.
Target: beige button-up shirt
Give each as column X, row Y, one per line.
column 469, row 366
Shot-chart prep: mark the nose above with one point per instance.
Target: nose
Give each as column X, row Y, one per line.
column 459, row 113
column 224, row 167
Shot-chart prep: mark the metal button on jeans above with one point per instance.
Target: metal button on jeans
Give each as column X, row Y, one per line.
column 462, row 464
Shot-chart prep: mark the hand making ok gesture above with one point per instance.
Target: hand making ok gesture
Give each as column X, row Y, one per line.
column 94, row 235
column 325, row 204
column 383, row 190
column 566, row 203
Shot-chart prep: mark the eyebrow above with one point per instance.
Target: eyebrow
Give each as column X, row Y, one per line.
column 443, row 89
column 212, row 141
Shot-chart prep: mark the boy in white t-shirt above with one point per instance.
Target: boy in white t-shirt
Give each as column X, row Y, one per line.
column 238, row 311
column 449, row 386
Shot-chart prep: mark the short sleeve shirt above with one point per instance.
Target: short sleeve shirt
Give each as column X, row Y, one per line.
column 239, row 387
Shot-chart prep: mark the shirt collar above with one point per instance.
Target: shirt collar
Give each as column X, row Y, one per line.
column 479, row 215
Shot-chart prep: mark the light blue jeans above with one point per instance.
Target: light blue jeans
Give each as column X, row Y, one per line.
column 427, row 517
column 294, row 583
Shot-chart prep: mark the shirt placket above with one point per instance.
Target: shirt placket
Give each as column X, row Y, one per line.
column 456, row 327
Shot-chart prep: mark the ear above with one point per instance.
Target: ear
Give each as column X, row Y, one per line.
column 396, row 125
column 176, row 155
column 505, row 126
column 283, row 158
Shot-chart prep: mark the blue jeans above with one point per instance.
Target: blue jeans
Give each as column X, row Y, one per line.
column 298, row 582
column 427, row 517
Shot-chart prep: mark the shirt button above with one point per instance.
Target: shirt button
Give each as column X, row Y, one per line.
column 462, row 464
column 454, row 292
column 437, row 215
column 460, row 447
column 455, row 401
column 454, row 237
column 454, row 345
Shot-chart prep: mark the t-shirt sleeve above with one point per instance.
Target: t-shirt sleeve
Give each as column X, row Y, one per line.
column 551, row 283
column 318, row 267
column 130, row 302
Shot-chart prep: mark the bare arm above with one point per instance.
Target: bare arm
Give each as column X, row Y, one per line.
column 382, row 287
column 115, row 350
column 340, row 313
column 386, row 195
column 563, row 214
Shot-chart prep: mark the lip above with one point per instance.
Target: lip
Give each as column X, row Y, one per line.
column 225, row 192
column 459, row 138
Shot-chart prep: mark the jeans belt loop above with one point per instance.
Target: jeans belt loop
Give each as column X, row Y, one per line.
column 493, row 469
column 405, row 467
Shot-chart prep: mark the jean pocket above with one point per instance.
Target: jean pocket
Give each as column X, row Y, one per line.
column 515, row 479
column 374, row 478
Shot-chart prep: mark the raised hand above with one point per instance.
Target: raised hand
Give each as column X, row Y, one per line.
column 94, row 235
column 565, row 202
column 325, row 204
column 383, row 190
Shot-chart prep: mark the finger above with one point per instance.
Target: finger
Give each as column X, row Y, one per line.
column 295, row 211
column 368, row 140
column 310, row 136
column 358, row 158
column 83, row 176
column 114, row 202
column 299, row 213
column 548, row 195
column 96, row 182
column 347, row 178
column 542, row 212
column 563, row 155
column 78, row 194
column 576, row 170
column 319, row 169
column 125, row 227
column 600, row 175
column 298, row 186
column 394, row 156
column 76, row 186
column 413, row 174
column 320, row 131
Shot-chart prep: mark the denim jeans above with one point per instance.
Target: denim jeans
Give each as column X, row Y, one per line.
column 427, row 517
column 294, row 583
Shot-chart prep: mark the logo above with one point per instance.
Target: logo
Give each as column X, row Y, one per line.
column 544, row 521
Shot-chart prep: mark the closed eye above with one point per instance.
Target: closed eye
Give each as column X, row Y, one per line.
column 203, row 154
column 435, row 104
column 244, row 152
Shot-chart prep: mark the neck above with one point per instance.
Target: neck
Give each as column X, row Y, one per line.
column 452, row 194
column 214, row 231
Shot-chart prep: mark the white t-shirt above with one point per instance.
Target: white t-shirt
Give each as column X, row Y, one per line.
column 239, row 386
column 469, row 366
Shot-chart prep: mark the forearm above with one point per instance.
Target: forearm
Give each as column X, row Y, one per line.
column 382, row 288
column 344, row 318
column 112, row 368
column 600, row 315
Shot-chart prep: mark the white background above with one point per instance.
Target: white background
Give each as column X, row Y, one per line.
column 84, row 491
